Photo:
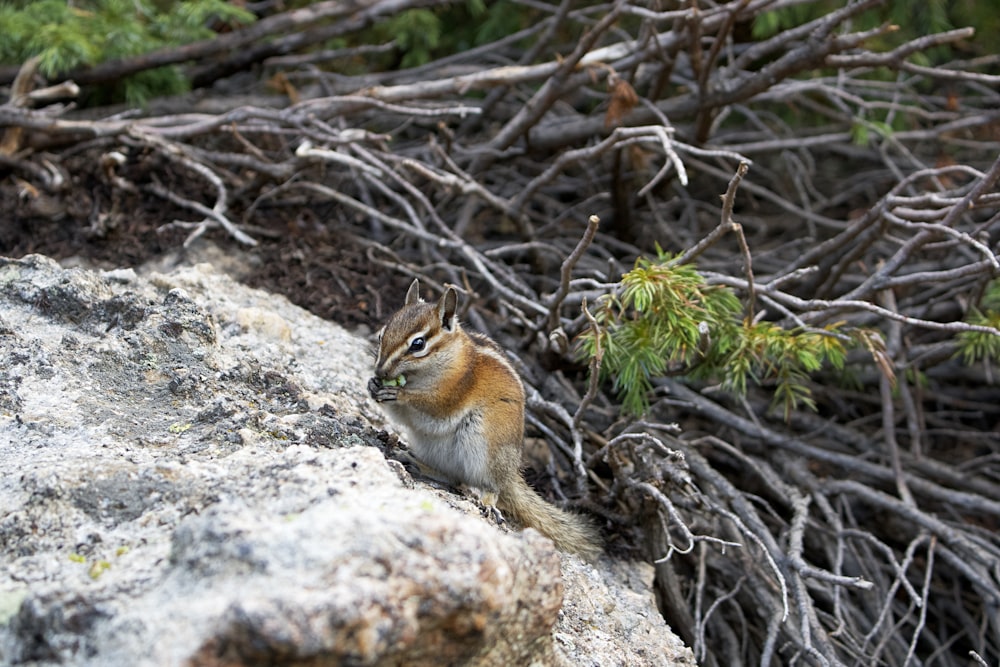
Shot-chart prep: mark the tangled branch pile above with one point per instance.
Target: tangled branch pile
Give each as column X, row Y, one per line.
column 861, row 532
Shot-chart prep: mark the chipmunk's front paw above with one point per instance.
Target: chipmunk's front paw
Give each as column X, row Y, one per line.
column 490, row 510
column 381, row 392
column 493, row 514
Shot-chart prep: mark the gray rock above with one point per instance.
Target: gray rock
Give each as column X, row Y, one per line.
column 191, row 473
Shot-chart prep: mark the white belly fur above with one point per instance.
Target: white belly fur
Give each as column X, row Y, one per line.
column 454, row 446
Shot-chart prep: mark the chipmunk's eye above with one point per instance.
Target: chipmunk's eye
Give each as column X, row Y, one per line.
column 417, row 344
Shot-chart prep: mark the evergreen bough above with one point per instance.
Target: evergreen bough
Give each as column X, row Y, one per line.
column 68, row 35
column 665, row 319
column 976, row 346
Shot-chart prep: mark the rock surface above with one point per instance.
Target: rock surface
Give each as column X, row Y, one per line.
column 192, row 474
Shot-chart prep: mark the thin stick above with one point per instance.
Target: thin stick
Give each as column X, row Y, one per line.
column 566, row 271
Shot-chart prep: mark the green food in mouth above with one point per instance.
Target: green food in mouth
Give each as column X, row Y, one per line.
column 398, row 381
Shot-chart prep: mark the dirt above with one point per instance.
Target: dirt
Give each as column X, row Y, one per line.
column 315, row 260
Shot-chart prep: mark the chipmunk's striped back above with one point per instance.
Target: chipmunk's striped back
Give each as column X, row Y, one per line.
column 461, row 404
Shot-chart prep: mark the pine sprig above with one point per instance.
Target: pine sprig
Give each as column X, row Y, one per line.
column 69, row 35
column 975, row 346
column 666, row 319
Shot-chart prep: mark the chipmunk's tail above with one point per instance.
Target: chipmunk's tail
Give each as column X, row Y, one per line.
column 570, row 532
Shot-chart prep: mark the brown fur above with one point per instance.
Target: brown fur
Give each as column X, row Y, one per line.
column 462, row 406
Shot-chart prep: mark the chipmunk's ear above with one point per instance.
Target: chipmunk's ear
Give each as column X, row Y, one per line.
column 447, row 307
column 413, row 294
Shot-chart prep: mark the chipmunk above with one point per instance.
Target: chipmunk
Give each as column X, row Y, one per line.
column 461, row 403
